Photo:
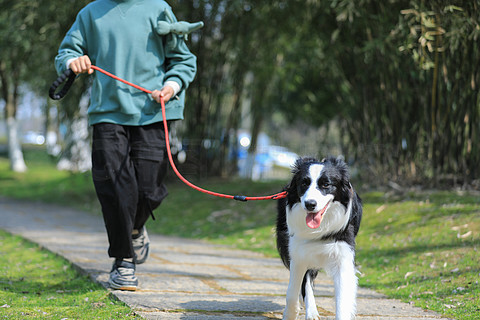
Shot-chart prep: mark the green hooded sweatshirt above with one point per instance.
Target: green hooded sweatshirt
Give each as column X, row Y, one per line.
column 120, row 37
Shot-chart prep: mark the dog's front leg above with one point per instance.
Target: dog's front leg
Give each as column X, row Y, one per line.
column 293, row 292
column 346, row 283
column 311, row 312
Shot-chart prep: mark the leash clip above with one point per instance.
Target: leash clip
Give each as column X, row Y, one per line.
column 240, row 198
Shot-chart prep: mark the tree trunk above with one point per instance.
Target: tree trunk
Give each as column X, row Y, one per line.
column 15, row 154
column 52, row 130
column 77, row 154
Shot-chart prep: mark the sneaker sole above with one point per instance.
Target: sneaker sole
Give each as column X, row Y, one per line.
column 116, row 286
column 124, row 288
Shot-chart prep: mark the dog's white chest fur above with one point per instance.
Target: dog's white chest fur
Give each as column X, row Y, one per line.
column 326, row 255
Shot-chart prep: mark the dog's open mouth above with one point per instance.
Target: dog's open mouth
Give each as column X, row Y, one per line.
column 315, row 218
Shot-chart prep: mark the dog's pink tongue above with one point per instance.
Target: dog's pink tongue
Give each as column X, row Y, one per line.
column 314, row 219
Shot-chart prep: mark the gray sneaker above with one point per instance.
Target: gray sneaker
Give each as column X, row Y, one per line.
column 141, row 246
column 122, row 276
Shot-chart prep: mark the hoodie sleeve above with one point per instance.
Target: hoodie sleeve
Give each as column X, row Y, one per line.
column 72, row 46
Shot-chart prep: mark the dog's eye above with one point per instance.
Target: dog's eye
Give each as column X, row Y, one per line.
column 325, row 185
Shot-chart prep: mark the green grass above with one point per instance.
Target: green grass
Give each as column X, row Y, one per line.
column 421, row 248
column 247, row 225
column 43, row 183
column 424, row 249
column 36, row 284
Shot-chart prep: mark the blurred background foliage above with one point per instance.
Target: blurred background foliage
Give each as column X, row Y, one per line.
column 390, row 85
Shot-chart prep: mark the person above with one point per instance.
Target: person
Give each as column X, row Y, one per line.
column 128, row 38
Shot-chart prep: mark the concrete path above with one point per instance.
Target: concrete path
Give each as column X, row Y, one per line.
column 185, row 279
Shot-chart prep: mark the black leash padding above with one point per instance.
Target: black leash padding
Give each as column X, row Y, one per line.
column 68, row 75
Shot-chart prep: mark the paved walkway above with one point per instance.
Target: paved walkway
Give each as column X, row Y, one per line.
column 185, row 279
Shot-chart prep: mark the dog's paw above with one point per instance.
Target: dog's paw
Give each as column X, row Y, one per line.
column 311, row 313
column 290, row 313
column 312, row 316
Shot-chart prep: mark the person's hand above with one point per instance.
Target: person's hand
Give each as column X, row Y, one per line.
column 166, row 93
column 82, row 65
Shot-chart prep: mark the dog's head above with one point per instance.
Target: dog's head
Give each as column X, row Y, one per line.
column 317, row 185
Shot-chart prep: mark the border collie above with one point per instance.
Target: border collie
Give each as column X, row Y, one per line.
column 316, row 227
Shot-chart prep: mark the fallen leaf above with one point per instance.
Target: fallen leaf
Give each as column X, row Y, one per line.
column 456, row 228
column 98, row 304
column 408, row 274
column 465, row 235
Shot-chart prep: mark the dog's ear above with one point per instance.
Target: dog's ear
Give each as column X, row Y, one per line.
column 343, row 169
column 292, row 185
column 296, row 166
column 291, row 188
column 292, row 192
column 300, row 162
column 345, row 194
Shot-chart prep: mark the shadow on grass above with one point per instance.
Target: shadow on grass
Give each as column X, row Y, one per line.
column 26, row 285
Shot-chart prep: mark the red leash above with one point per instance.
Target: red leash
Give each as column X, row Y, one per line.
column 276, row 196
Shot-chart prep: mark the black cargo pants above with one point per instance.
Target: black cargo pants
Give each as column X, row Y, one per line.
column 129, row 164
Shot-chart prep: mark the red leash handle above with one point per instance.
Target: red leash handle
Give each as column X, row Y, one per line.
column 276, row 196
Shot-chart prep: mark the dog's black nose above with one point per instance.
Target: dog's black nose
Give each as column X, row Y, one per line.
column 310, row 204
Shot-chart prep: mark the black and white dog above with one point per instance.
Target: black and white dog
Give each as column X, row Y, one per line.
column 316, row 227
